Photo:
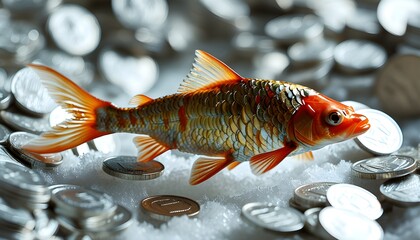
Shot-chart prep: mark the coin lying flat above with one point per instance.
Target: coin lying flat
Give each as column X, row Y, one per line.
column 354, row 198
column 358, row 56
column 384, row 167
column 33, row 160
column 384, row 135
column 272, row 217
column 164, row 207
column 127, row 167
column 404, row 191
column 75, row 201
column 311, row 52
column 345, row 224
column 312, row 195
column 397, row 86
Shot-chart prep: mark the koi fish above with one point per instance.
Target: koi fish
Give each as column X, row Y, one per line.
column 226, row 118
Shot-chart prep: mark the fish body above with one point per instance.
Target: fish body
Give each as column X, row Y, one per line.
column 216, row 113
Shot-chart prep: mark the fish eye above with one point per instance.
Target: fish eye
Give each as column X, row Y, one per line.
column 334, row 118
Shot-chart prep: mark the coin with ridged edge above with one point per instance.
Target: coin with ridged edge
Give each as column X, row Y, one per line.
column 312, row 195
column 33, row 160
column 354, row 198
column 384, row 167
column 127, row 167
column 404, row 191
column 272, row 217
column 164, row 207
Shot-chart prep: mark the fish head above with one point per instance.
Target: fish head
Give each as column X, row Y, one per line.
column 321, row 121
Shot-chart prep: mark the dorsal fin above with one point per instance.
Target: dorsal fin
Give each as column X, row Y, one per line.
column 139, row 100
column 207, row 72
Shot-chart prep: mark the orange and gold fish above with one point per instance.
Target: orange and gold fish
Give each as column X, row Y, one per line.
column 216, row 113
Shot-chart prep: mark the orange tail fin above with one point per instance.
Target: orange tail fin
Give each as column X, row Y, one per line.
column 76, row 130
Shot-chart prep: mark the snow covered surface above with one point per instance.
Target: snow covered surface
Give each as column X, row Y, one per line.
column 222, row 197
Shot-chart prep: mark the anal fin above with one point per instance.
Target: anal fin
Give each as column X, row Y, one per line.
column 148, row 148
column 205, row 167
column 264, row 162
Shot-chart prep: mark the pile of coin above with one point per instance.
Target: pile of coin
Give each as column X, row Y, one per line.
column 88, row 212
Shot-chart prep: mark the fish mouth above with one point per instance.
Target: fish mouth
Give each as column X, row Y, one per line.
column 361, row 127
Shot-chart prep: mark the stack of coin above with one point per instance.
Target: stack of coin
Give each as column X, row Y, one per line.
column 15, row 223
column 22, row 187
column 88, row 211
column 310, row 196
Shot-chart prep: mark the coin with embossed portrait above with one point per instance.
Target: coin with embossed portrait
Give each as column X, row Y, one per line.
column 384, row 167
column 164, row 207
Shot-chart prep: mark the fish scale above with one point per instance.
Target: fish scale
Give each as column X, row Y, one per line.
column 216, row 113
column 229, row 109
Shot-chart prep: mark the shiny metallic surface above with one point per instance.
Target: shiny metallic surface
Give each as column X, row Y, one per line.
column 164, row 207
column 355, row 199
column 404, row 191
column 383, row 137
column 384, row 167
column 272, row 217
column 20, row 122
column 33, row 160
column 345, row 224
column 128, row 167
column 312, row 195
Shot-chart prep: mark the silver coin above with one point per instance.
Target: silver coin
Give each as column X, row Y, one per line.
column 135, row 14
column 29, row 93
column 358, row 56
column 312, row 224
column 274, row 218
column 30, row 6
column 247, row 42
column 294, row 204
column 397, row 86
column 384, row 135
column 74, row 29
column 18, row 178
column 363, row 23
column 15, row 219
column 345, row 224
column 118, row 222
column 354, row 198
column 128, row 167
column 394, row 14
column 311, row 52
column 6, row 157
column 356, row 105
column 116, row 64
column 75, row 201
column 4, row 134
column 315, row 76
column 404, row 191
column 18, row 139
column 313, row 194
column 5, row 98
column 25, row 123
column 384, row 167
column 74, row 67
column 228, row 10
column 293, row 28
column 45, row 226
column 20, row 41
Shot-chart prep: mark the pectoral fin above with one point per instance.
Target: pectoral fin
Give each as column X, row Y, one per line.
column 148, row 148
column 264, row 162
column 205, row 167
